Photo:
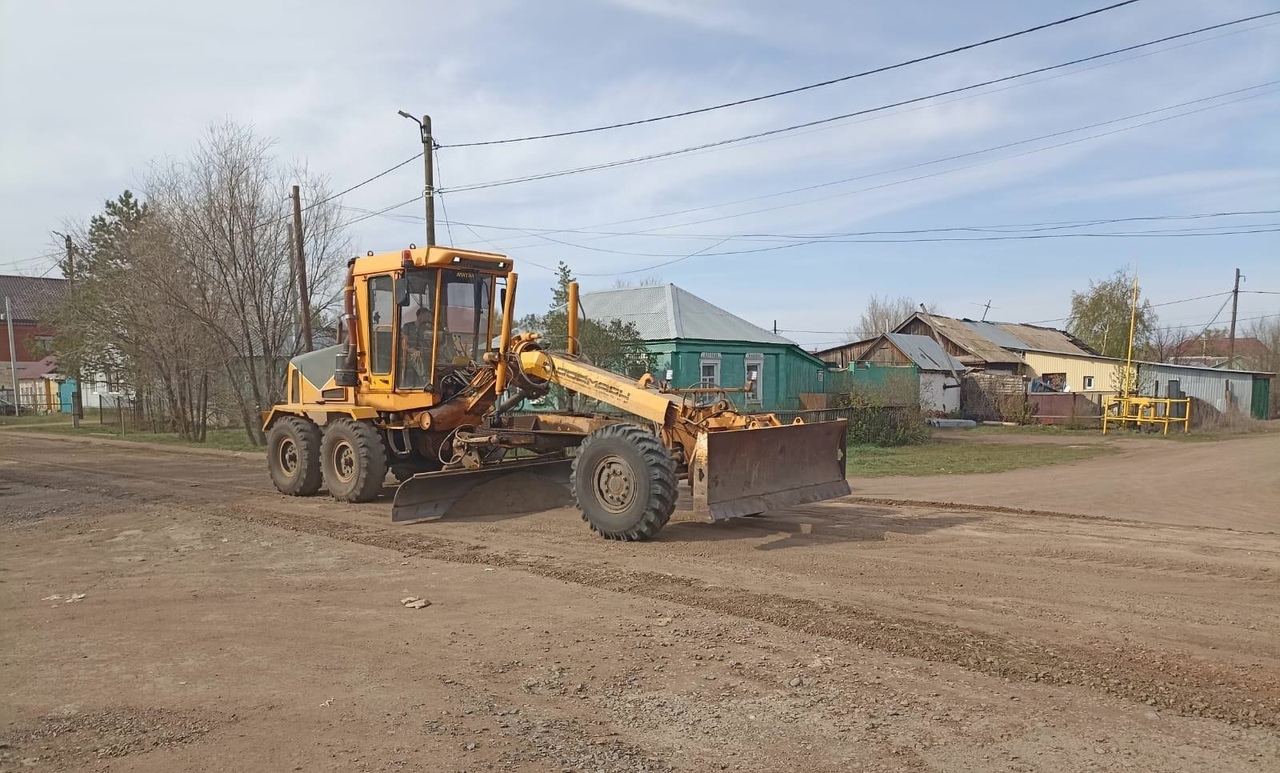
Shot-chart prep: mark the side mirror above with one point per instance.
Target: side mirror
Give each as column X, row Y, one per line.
column 402, row 292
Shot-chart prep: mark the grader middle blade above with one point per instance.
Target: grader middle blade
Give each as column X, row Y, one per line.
column 430, row 495
column 748, row 471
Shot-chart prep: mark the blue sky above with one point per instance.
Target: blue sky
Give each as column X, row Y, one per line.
column 94, row 92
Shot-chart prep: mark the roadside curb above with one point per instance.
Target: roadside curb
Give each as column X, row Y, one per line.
column 138, row 444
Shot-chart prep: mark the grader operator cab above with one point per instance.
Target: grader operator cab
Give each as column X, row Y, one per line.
column 426, row 380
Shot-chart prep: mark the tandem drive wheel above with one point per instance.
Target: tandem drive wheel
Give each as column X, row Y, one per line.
column 293, row 456
column 353, row 460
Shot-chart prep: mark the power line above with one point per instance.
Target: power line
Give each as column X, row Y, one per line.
column 342, row 192
column 491, row 244
column 835, row 237
column 33, row 259
column 866, row 111
column 1151, row 306
column 435, row 152
column 374, row 213
column 877, row 117
column 961, row 168
column 796, row 90
column 363, row 183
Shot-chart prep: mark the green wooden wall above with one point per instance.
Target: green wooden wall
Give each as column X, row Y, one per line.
column 786, row 370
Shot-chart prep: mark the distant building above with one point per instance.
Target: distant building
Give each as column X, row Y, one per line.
column 1250, row 353
column 939, row 373
column 1010, row 359
column 703, row 345
column 39, row 385
column 33, row 300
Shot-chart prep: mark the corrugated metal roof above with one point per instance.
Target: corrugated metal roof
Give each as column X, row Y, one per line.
column 664, row 312
column 969, row 339
column 32, row 298
column 995, row 333
column 925, row 352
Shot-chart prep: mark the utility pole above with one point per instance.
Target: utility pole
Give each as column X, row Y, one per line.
column 13, row 357
column 1235, row 301
column 77, row 400
column 428, row 173
column 300, row 264
column 775, row 327
column 985, row 309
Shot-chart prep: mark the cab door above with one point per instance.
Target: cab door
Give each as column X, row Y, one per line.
column 382, row 323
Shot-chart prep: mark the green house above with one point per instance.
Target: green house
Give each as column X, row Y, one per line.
column 700, row 344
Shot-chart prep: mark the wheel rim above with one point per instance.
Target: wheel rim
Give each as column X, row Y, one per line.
column 288, row 456
column 615, row 484
column 344, row 461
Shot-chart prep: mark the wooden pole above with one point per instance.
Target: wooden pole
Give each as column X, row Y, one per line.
column 1231, row 345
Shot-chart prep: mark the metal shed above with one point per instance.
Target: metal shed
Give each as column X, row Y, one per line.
column 1223, row 390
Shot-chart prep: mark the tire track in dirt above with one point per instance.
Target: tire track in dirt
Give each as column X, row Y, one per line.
column 1168, row 680
column 933, row 504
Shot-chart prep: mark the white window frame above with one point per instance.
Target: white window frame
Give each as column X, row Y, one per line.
column 713, row 359
column 757, row 392
column 1088, row 383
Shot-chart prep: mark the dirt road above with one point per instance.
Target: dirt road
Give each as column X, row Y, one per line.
column 223, row 627
column 1233, row 484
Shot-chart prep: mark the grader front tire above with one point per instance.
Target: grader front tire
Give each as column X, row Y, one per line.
column 293, row 456
column 624, row 482
column 353, row 459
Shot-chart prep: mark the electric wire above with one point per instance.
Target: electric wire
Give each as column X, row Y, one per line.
column 443, row 210
column 997, row 228
column 932, row 162
column 865, row 111
column 796, row 90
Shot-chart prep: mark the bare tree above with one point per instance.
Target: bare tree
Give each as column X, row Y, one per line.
column 121, row 320
column 882, row 315
column 1162, row 342
column 193, row 293
column 227, row 208
column 648, row 280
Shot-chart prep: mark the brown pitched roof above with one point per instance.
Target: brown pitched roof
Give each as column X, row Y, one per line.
column 980, row 348
column 1220, row 347
column 28, row 370
column 32, row 298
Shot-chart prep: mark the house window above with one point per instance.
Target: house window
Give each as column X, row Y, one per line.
column 709, row 371
column 1088, row 382
column 754, row 373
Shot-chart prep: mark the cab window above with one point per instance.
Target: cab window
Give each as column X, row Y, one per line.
column 382, row 312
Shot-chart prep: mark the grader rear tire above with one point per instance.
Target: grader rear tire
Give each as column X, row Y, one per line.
column 293, row 456
column 624, row 482
column 353, row 460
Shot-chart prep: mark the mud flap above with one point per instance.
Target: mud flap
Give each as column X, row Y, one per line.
column 430, row 495
column 748, row 471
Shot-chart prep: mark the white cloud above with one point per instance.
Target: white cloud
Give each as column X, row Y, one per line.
column 137, row 81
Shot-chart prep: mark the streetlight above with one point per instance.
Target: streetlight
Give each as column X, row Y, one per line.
column 424, row 126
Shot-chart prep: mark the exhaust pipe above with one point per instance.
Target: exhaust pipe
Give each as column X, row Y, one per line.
column 344, row 370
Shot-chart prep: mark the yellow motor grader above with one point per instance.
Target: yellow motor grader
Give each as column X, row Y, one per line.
column 426, row 381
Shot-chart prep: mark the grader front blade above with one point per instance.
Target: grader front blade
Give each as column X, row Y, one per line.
column 749, row 471
column 429, row 496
